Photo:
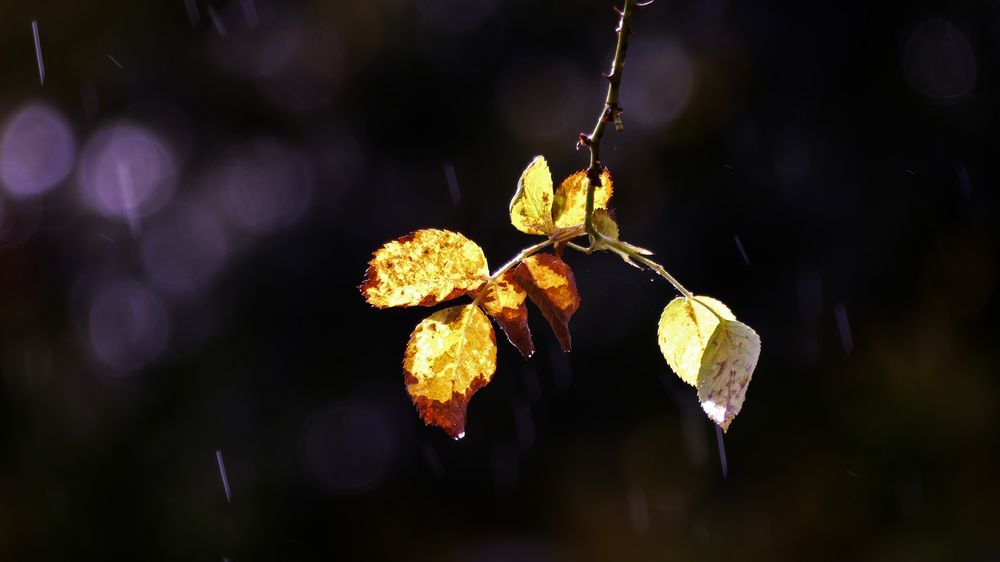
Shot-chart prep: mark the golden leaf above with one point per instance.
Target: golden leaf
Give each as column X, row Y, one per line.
column 531, row 207
column 570, row 206
column 450, row 355
column 424, row 268
column 504, row 301
column 605, row 223
column 726, row 369
column 684, row 331
column 550, row 284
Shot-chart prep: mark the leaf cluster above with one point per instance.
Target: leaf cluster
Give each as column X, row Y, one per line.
column 451, row 354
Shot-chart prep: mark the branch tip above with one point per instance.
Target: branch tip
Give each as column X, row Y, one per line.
column 611, row 112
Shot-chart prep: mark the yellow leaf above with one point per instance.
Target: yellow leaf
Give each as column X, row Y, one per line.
column 605, row 223
column 531, row 207
column 726, row 369
column 504, row 301
column 550, row 284
column 423, row 269
column 450, row 355
column 684, row 332
column 570, row 206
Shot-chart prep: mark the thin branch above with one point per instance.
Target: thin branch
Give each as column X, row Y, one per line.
column 611, row 112
column 624, row 249
column 562, row 236
column 659, row 269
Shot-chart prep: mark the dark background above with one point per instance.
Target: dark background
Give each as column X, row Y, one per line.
column 850, row 146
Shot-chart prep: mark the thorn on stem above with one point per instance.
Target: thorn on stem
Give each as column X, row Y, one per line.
column 584, row 140
column 613, row 113
column 619, row 11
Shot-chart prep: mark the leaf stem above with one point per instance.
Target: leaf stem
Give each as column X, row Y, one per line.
column 611, row 112
column 622, row 248
column 561, row 236
column 659, row 269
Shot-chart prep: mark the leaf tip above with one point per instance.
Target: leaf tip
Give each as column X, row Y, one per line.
column 504, row 301
column 449, row 416
column 551, row 285
column 450, row 356
column 717, row 413
column 731, row 358
column 565, row 341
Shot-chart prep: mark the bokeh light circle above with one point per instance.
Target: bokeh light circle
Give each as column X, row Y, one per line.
column 556, row 114
column 126, row 171
column 266, row 185
column 456, row 16
column 667, row 82
column 938, row 60
column 347, row 448
column 127, row 325
column 37, row 150
column 184, row 249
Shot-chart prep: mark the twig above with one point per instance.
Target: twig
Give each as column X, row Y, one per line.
column 611, row 112
column 559, row 237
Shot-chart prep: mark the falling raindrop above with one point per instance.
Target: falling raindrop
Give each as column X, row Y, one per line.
column 348, row 448
column 38, row 52
column 223, row 475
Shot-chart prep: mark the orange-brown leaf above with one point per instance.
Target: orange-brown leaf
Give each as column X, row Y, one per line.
column 450, row 355
column 550, row 284
column 504, row 301
column 423, row 269
column 570, row 205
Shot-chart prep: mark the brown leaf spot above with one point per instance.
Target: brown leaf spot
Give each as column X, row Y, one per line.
column 423, row 269
column 450, row 415
column 451, row 354
column 550, row 284
column 504, row 301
